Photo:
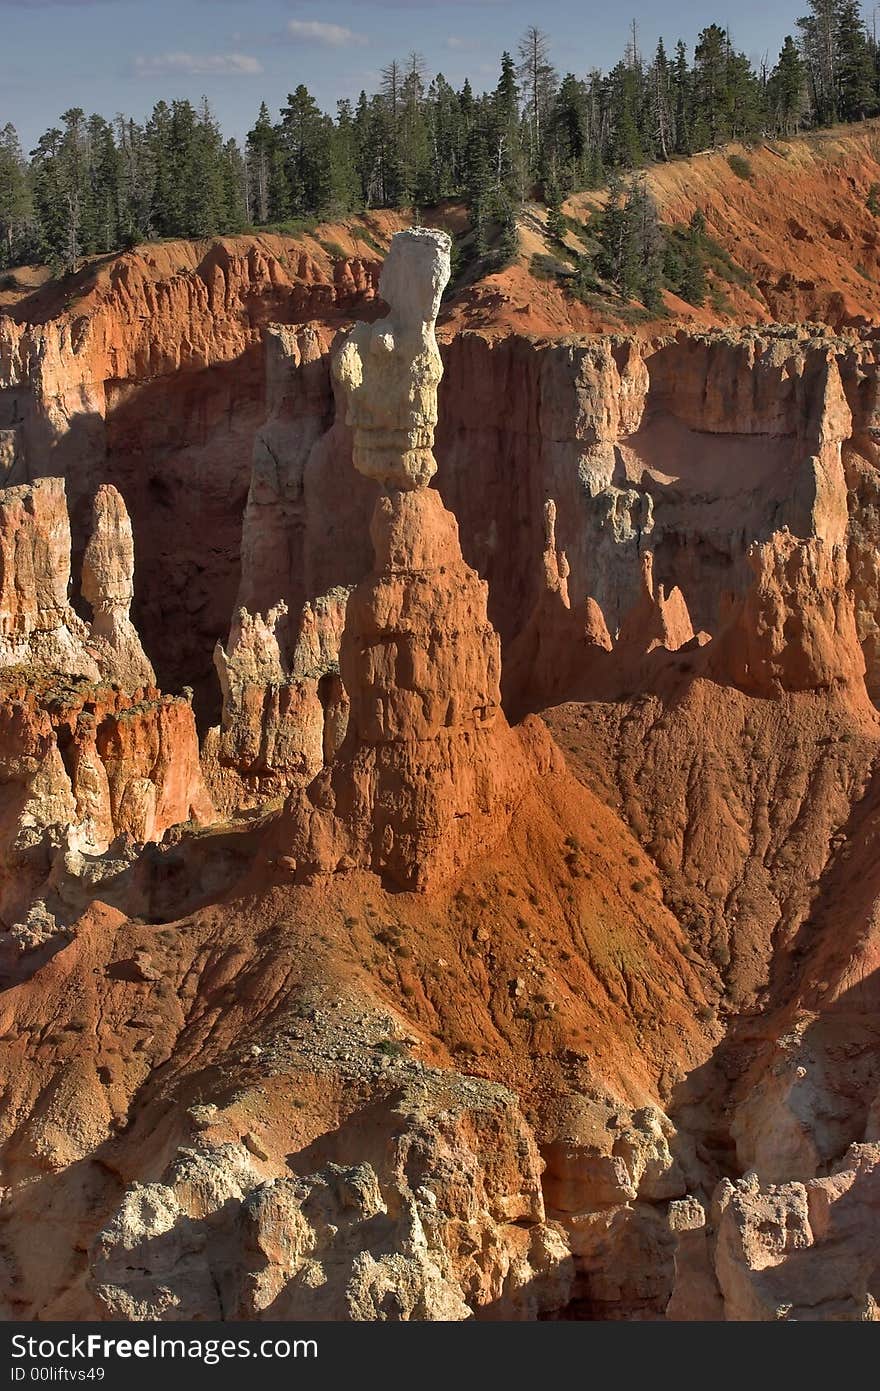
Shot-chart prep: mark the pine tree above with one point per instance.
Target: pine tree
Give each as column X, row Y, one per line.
column 631, row 243
column 203, row 187
column 345, row 185
column 365, row 155
column 856, row 85
column 467, row 106
column 60, row 170
column 662, row 100
column 93, row 186
column 508, row 242
column 393, row 177
column 538, row 77
column 692, row 285
column 384, row 165
column 641, row 210
column 234, row 215
column 392, row 81
column 787, row 90
column 478, row 186
column 682, row 89
column 596, row 88
column 744, row 98
column 569, row 130
column 508, row 153
column 100, row 214
column 710, row 87
column 15, row 197
column 617, row 257
column 626, row 143
column 819, row 31
column 191, row 183
column 48, row 197
column 413, row 133
column 304, row 140
column 446, row 137
column 165, row 214
column 555, row 220
column 280, row 201
column 73, row 176
column 134, row 181
column 260, row 147
column 639, row 100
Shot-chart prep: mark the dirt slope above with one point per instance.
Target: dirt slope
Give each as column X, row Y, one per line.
column 795, row 221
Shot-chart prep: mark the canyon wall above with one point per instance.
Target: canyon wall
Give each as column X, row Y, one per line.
column 568, row 1017
column 150, row 377
column 590, row 425
column 92, row 754
column 692, row 449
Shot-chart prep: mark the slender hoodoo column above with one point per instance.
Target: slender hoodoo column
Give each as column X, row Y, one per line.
column 430, row 771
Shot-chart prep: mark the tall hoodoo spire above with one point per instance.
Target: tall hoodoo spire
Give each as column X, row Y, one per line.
column 430, row 771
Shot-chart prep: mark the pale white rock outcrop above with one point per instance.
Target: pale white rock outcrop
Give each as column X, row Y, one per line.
column 108, row 588
column 390, row 370
column 39, row 629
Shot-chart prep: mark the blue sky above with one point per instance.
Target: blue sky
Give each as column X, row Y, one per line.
column 122, row 55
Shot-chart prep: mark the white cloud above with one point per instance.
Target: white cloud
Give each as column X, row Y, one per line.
column 327, row 35
column 198, row 64
column 456, row 44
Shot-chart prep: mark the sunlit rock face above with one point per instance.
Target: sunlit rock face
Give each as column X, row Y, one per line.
column 108, row 587
column 430, row 771
column 390, row 370
column 90, row 749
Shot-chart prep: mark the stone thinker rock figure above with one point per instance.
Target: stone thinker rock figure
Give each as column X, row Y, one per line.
column 429, row 772
column 390, row 370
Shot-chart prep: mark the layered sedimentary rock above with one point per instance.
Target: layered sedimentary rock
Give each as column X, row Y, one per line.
column 38, row 627
column 84, row 765
column 108, row 588
column 283, row 716
column 795, row 628
column 692, row 448
column 781, row 618
column 430, row 772
column 425, row 1226
column 389, row 371
column 802, row 1251
column 90, row 749
column 153, row 381
column 157, row 383
column 267, row 1048
column 660, row 930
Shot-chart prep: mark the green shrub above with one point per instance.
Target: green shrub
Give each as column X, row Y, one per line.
column 289, row 227
column 389, row 935
column 741, row 167
column 333, row 249
column 543, row 267
column 365, row 235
